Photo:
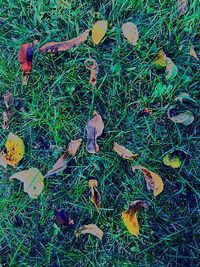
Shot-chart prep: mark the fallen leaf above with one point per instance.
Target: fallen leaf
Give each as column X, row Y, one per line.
column 182, row 96
column 7, row 117
column 8, row 100
column 15, row 149
column 171, row 69
column 130, row 31
column 25, row 57
column 154, row 181
column 99, row 30
column 63, row 218
column 129, row 216
column 92, row 65
column 90, row 229
column 182, row 6
column 94, row 129
column 192, row 52
column 124, row 152
column 146, row 112
column 53, row 47
column 3, row 161
column 33, row 181
column 172, row 160
column 160, row 60
column 96, row 197
column 185, row 118
column 61, row 163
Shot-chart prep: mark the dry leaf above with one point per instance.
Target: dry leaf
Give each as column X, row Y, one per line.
column 7, row 117
column 171, row 69
column 94, row 129
column 8, row 100
column 172, row 160
column 124, row 152
column 32, row 179
column 25, row 57
column 99, row 30
column 96, row 197
column 92, row 65
column 63, row 218
column 90, row 229
column 182, row 6
column 154, row 181
column 61, row 163
column 160, row 60
column 129, row 216
column 15, row 149
column 130, row 31
column 146, row 112
column 64, row 46
column 185, row 118
column 193, row 53
column 182, row 96
column 3, row 161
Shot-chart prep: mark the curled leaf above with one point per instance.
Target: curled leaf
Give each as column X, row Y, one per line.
column 63, row 218
column 92, row 65
column 99, row 30
column 160, row 60
column 53, row 47
column 33, row 181
column 25, row 57
column 94, row 129
column 185, row 118
column 146, row 112
column 193, row 53
column 182, row 6
column 171, row 69
column 172, row 160
column 15, row 149
column 124, row 152
column 130, row 31
column 182, row 96
column 129, row 216
column 90, row 229
column 8, row 100
column 96, row 197
column 154, row 181
column 61, row 163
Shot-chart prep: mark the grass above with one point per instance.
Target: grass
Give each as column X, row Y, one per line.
column 55, row 107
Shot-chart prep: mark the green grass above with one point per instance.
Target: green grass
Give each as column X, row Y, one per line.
column 55, row 107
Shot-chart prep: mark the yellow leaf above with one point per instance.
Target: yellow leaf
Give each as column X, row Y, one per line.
column 160, row 60
column 129, row 216
column 98, row 31
column 90, row 229
column 154, row 181
column 15, row 149
column 33, row 181
column 130, row 31
column 96, row 197
column 172, row 161
column 193, row 53
column 124, row 152
column 171, row 69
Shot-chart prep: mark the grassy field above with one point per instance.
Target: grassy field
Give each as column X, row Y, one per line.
column 55, row 107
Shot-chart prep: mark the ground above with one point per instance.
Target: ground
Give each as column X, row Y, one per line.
column 55, row 107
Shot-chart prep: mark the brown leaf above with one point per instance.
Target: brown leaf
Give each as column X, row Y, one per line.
column 94, row 129
column 63, row 218
column 96, row 197
column 64, row 46
column 185, row 118
column 130, row 31
column 92, row 65
column 90, row 229
column 192, row 52
column 61, row 163
column 182, row 6
column 146, row 112
column 8, row 100
column 129, row 216
column 7, row 117
column 124, row 152
column 154, row 181
column 25, row 57
column 3, row 161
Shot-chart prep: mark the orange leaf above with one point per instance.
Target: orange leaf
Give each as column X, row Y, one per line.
column 94, row 129
column 193, row 53
column 124, row 152
column 146, row 112
column 61, row 163
column 92, row 65
column 129, row 216
column 154, row 181
column 25, row 57
column 64, row 46
column 96, row 197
